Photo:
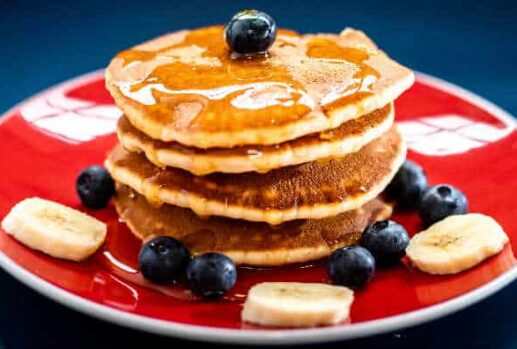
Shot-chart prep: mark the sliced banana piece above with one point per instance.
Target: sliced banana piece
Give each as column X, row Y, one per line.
column 293, row 304
column 456, row 243
column 55, row 229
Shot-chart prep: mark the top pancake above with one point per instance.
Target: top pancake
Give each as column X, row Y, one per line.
column 184, row 87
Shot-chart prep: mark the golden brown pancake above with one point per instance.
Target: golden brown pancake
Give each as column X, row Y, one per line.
column 347, row 138
column 185, row 87
column 245, row 242
column 316, row 189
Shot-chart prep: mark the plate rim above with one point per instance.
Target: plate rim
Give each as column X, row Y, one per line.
column 269, row 337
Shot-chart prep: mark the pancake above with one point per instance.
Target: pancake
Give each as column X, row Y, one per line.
column 248, row 243
column 347, row 138
column 316, row 189
column 185, row 87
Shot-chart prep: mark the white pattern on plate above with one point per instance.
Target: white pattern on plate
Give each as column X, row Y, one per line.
column 70, row 119
column 449, row 134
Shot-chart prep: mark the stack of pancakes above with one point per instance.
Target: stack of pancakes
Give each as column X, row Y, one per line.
column 270, row 160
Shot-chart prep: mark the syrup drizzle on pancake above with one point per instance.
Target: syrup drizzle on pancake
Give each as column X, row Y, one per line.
column 193, row 83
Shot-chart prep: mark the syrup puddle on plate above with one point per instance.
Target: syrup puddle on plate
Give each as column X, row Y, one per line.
column 119, row 258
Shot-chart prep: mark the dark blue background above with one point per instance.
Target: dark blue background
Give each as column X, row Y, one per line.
column 470, row 43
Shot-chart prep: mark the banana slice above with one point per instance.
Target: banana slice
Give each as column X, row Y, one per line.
column 55, row 229
column 456, row 243
column 293, row 304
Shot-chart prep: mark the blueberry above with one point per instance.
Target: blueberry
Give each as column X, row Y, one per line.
column 249, row 32
column 351, row 266
column 163, row 259
column 386, row 240
column 211, row 275
column 441, row 201
column 408, row 185
column 95, row 187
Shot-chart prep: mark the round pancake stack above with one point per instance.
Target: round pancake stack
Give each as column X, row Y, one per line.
column 271, row 160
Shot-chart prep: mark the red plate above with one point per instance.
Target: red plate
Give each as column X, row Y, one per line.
column 459, row 139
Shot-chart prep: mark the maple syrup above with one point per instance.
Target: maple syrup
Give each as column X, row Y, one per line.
column 194, row 83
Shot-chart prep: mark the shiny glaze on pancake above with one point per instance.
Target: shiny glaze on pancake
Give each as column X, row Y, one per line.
column 348, row 138
column 187, row 82
column 199, row 73
column 247, row 242
column 321, row 182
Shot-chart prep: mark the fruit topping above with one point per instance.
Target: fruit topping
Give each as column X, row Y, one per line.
column 55, row 229
column 95, row 187
column 456, row 244
column 351, row 266
column 386, row 240
column 294, row 304
column 211, row 275
column 408, row 185
column 441, row 201
column 250, row 32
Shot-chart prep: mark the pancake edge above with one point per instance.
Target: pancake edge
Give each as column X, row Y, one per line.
column 203, row 207
column 278, row 257
column 203, row 164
